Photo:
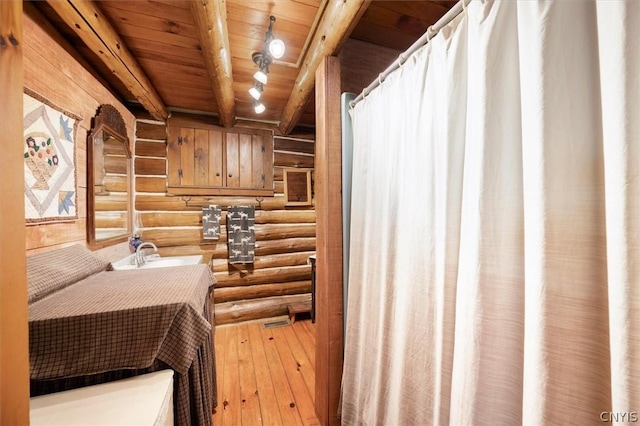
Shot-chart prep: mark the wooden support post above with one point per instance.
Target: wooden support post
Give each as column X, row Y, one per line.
column 328, row 177
column 14, row 347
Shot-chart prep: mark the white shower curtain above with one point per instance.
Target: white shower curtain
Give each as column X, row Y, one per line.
column 495, row 224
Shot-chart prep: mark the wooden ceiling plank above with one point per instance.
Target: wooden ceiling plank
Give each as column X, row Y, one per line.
column 168, row 57
column 151, row 8
column 140, row 20
column 171, row 39
column 199, row 86
column 382, row 36
column 182, row 4
column 286, row 10
column 210, row 17
column 187, row 71
column 178, row 91
column 88, row 22
column 392, row 19
column 141, row 47
column 427, row 11
column 180, row 94
column 314, row 3
column 333, row 29
column 193, row 102
column 255, row 25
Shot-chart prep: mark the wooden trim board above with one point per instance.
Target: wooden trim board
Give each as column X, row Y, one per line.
column 14, row 347
column 328, row 181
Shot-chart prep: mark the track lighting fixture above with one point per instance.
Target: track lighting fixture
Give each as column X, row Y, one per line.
column 273, row 49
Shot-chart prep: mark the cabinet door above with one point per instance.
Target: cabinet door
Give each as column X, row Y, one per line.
column 187, row 144
column 181, row 156
column 209, row 160
column 262, row 161
column 247, row 156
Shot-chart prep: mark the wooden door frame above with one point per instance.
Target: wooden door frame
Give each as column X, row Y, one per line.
column 14, row 346
column 328, row 200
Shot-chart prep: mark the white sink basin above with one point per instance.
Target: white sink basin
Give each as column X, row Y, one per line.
column 155, row 261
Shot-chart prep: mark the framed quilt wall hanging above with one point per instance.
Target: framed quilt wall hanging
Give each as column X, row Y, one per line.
column 49, row 147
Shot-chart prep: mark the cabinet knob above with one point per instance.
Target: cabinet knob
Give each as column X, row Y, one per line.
column 218, row 174
column 230, row 175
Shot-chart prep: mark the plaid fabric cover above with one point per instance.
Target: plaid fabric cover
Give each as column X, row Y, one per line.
column 54, row 270
column 132, row 319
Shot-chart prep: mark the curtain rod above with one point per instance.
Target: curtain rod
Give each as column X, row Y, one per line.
column 428, row 35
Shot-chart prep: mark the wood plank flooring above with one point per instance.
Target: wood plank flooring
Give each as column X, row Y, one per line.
column 266, row 376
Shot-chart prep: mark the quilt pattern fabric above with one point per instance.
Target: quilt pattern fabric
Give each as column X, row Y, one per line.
column 49, row 161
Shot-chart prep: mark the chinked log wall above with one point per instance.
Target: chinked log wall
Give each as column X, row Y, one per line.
column 285, row 236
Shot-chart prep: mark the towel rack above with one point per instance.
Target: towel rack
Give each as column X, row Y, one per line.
column 189, row 203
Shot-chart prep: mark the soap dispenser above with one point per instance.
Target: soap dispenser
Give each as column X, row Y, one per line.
column 134, row 242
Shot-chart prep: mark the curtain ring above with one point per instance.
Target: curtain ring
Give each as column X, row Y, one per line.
column 402, row 58
column 380, row 79
column 430, row 31
column 464, row 5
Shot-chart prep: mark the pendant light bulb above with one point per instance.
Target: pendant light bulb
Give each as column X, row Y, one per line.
column 276, row 48
column 256, row 91
column 261, row 76
column 258, row 107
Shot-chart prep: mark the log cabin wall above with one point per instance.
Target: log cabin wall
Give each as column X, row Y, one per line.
column 285, row 236
column 52, row 69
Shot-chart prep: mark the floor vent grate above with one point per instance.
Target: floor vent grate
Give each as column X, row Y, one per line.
column 274, row 324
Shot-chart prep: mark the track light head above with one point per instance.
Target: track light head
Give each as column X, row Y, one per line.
column 276, row 48
column 256, row 91
column 261, row 75
column 258, row 107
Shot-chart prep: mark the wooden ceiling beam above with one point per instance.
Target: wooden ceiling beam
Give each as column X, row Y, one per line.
column 336, row 24
column 210, row 17
column 87, row 21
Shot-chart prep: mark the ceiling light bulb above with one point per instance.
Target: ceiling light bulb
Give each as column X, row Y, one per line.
column 255, row 92
column 276, row 48
column 261, row 76
column 258, row 107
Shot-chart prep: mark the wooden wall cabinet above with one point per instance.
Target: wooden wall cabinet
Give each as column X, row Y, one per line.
column 204, row 159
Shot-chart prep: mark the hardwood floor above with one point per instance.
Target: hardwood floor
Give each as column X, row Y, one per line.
column 266, row 376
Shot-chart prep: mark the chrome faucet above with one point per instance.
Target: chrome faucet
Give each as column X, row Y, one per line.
column 139, row 256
